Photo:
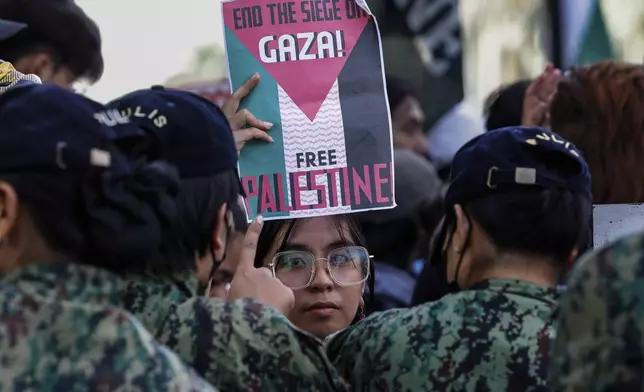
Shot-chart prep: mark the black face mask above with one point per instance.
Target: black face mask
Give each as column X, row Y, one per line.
column 439, row 257
column 433, row 280
column 205, row 288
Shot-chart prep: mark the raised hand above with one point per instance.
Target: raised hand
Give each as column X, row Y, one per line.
column 244, row 124
column 258, row 283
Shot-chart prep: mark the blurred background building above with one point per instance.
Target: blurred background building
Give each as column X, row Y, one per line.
column 462, row 48
column 206, row 74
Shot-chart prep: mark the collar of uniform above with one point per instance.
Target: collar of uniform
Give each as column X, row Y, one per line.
column 518, row 287
column 179, row 286
column 67, row 281
column 186, row 282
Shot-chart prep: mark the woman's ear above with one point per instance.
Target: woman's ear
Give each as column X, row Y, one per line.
column 461, row 230
column 9, row 206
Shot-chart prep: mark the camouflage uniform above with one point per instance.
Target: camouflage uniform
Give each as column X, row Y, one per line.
column 9, row 77
column 61, row 329
column 236, row 346
column 599, row 344
column 475, row 340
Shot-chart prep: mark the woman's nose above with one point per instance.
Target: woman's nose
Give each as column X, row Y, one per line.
column 322, row 280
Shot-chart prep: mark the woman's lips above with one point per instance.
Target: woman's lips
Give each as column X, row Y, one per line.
column 323, row 308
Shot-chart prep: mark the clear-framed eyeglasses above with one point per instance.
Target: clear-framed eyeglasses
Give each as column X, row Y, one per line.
column 347, row 266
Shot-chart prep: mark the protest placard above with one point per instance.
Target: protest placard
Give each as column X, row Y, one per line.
column 322, row 87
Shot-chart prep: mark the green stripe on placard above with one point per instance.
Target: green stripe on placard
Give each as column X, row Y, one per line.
column 596, row 43
column 258, row 157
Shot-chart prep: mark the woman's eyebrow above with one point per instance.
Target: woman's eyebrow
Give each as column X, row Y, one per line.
column 295, row 246
column 338, row 244
column 306, row 248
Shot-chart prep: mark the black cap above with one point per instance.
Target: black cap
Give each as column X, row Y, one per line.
column 9, row 28
column 61, row 24
column 192, row 133
column 516, row 158
column 46, row 127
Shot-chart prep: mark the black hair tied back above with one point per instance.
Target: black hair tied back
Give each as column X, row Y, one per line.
column 128, row 212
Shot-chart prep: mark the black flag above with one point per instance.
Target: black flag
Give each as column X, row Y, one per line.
column 422, row 44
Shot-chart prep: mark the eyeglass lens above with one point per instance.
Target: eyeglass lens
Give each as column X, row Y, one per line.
column 347, row 266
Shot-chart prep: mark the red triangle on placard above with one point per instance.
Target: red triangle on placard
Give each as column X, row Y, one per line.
column 307, row 81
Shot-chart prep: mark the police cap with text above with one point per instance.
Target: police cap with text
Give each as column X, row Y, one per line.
column 188, row 131
column 44, row 127
column 516, row 158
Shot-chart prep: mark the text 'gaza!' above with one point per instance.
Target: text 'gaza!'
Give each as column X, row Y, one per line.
column 302, row 46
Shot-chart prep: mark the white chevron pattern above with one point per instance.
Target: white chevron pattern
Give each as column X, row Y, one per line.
column 301, row 135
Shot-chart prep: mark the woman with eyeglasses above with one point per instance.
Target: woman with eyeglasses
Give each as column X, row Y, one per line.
column 324, row 261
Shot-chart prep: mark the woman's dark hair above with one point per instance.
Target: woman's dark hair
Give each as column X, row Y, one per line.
column 397, row 91
column 109, row 219
column 273, row 229
column 60, row 28
column 504, row 107
column 198, row 204
column 398, row 241
column 598, row 107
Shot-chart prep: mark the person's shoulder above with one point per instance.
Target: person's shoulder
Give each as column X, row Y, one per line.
column 150, row 298
column 612, row 270
column 199, row 317
column 119, row 335
column 385, row 345
column 380, row 331
column 244, row 311
column 84, row 346
column 625, row 254
column 236, row 344
column 600, row 306
column 146, row 288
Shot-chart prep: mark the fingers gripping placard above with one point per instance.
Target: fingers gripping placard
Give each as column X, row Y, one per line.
column 322, row 87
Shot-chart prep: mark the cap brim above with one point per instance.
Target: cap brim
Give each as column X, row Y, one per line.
column 10, row 28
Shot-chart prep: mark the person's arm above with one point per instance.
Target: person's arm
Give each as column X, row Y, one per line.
column 243, row 345
column 598, row 339
column 363, row 352
column 94, row 350
column 154, row 367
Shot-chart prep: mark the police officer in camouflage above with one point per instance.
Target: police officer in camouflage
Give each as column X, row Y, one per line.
column 74, row 213
column 599, row 344
column 239, row 345
column 517, row 212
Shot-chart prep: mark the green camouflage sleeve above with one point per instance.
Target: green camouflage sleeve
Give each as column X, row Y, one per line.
column 599, row 345
column 162, row 364
column 357, row 352
column 245, row 346
column 58, row 347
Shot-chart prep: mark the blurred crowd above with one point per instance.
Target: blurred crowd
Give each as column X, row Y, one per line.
column 127, row 262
